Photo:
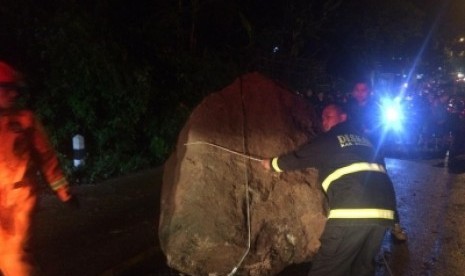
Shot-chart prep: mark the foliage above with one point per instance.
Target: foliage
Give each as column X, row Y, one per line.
column 83, row 78
column 127, row 74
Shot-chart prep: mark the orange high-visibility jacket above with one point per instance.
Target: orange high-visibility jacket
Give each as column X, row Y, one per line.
column 24, row 147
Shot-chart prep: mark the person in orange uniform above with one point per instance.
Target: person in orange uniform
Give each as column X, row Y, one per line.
column 24, row 149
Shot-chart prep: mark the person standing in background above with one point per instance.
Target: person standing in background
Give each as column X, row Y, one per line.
column 364, row 112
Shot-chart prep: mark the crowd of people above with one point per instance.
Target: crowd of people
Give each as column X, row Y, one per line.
column 361, row 197
column 349, row 156
column 434, row 114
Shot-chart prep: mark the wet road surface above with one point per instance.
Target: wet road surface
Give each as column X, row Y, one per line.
column 422, row 188
column 114, row 232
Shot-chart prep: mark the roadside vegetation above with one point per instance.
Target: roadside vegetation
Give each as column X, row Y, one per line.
column 126, row 75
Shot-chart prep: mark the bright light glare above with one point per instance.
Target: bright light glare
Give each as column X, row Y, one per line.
column 392, row 114
column 460, row 75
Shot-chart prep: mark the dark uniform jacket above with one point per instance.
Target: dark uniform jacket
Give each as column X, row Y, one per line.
column 355, row 181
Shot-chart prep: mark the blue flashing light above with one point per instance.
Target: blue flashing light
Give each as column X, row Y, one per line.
column 392, row 114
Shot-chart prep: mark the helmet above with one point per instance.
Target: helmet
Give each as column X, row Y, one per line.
column 8, row 75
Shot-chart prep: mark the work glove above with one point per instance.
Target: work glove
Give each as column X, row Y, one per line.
column 66, row 197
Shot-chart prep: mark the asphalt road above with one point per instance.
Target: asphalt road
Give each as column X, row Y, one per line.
column 422, row 189
column 114, row 231
column 422, row 196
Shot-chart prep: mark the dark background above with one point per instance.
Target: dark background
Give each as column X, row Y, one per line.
column 126, row 74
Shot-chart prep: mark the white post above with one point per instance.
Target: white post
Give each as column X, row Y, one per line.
column 78, row 150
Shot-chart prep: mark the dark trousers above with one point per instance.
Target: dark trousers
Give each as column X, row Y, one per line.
column 348, row 250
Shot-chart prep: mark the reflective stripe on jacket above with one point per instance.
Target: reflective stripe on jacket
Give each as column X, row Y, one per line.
column 353, row 168
column 351, row 172
column 361, row 213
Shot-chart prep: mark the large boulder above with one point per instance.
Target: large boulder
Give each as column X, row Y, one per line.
column 211, row 192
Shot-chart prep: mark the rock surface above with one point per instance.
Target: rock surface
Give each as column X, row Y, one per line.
column 203, row 228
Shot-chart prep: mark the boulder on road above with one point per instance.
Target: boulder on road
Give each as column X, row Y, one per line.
column 211, row 193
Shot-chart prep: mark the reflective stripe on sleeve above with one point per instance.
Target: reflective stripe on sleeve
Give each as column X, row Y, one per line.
column 274, row 165
column 58, row 184
column 361, row 213
column 355, row 167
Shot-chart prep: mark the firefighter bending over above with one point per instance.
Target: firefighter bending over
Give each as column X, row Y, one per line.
column 360, row 195
column 24, row 149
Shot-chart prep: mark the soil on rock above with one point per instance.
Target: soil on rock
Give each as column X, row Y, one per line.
column 210, row 194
